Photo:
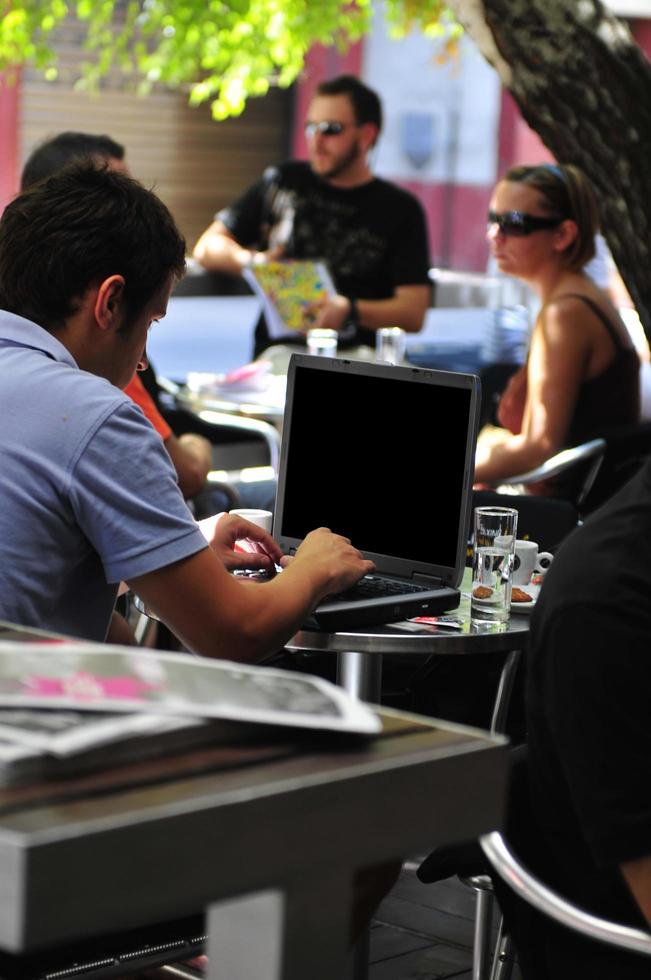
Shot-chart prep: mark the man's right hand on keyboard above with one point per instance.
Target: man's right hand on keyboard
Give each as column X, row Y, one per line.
column 332, row 559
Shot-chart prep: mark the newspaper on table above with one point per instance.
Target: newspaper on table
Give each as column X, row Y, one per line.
column 37, row 743
column 65, row 699
column 287, row 289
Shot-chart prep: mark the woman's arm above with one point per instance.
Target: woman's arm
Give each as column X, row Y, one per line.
column 558, row 363
column 510, row 411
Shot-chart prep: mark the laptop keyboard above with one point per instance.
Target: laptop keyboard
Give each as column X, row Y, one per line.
column 372, row 587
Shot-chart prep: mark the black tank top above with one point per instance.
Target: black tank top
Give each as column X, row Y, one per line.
column 612, row 398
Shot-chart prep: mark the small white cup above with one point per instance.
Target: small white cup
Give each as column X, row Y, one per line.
column 390, row 345
column 529, row 560
column 322, row 342
column 263, row 518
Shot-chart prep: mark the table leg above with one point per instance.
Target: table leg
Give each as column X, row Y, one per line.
column 361, row 956
column 504, row 689
column 360, row 674
column 282, row 935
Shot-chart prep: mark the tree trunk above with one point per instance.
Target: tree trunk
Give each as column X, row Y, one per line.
column 584, row 86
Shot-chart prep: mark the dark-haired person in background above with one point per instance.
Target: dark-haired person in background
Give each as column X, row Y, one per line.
column 582, row 373
column 88, row 258
column 58, row 151
column 191, row 453
column 371, row 233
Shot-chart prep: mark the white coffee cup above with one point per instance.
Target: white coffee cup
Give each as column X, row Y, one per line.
column 263, row 518
column 529, row 560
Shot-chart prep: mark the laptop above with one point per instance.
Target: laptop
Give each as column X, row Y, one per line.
column 385, row 456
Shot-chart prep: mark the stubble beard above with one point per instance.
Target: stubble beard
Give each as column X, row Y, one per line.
column 340, row 166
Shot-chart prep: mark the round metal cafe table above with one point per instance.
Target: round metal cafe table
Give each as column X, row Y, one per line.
column 359, row 652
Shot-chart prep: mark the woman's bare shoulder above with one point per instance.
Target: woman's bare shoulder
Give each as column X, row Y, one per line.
column 565, row 319
column 584, row 306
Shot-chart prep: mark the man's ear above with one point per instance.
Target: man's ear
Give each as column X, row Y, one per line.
column 108, row 303
column 370, row 134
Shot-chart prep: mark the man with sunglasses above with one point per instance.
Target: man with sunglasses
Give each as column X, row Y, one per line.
column 371, row 233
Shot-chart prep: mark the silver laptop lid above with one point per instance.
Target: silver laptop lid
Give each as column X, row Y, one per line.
column 383, row 455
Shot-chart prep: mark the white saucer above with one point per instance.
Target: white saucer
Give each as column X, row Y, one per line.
column 521, row 608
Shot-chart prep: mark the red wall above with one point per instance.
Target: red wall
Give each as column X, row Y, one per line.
column 517, row 142
column 641, row 30
column 9, row 99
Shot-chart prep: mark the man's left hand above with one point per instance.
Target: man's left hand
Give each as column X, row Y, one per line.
column 330, row 313
column 257, row 549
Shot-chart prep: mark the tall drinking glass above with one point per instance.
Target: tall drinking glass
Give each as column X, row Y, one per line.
column 492, row 564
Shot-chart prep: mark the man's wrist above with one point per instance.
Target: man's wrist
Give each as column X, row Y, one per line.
column 353, row 314
column 251, row 258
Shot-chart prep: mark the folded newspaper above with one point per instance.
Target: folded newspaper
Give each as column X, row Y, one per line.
column 61, row 704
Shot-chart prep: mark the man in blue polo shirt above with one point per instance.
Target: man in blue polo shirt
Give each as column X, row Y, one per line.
column 89, row 496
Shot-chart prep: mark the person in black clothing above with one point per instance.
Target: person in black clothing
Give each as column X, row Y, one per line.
column 589, row 734
column 371, row 234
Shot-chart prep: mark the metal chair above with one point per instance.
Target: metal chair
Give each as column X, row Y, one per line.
column 245, row 425
column 627, row 450
column 581, row 462
column 529, row 888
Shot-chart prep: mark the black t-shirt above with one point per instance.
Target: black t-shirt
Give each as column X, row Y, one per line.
column 373, row 238
column 589, row 725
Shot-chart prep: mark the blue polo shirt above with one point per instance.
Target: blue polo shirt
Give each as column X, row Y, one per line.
column 88, row 493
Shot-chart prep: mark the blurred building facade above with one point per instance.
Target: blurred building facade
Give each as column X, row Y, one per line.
column 450, row 131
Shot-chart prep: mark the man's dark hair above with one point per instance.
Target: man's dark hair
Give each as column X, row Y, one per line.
column 366, row 103
column 60, row 150
column 76, row 228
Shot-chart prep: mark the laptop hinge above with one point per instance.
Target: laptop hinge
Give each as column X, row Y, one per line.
column 421, row 579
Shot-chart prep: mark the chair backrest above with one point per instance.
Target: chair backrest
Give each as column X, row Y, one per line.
column 545, row 900
column 627, row 450
column 573, row 470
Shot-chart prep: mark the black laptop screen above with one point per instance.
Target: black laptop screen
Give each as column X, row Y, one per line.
column 379, row 460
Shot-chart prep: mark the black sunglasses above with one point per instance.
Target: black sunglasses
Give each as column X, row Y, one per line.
column 326, row 128
column 518, row 224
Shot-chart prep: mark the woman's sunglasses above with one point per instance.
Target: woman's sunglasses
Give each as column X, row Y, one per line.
column 326, row 128
column 518, row 224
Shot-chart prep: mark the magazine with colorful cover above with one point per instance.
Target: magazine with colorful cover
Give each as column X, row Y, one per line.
column 288, row 288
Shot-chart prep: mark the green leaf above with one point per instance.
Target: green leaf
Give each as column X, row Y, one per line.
column 225, row 51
